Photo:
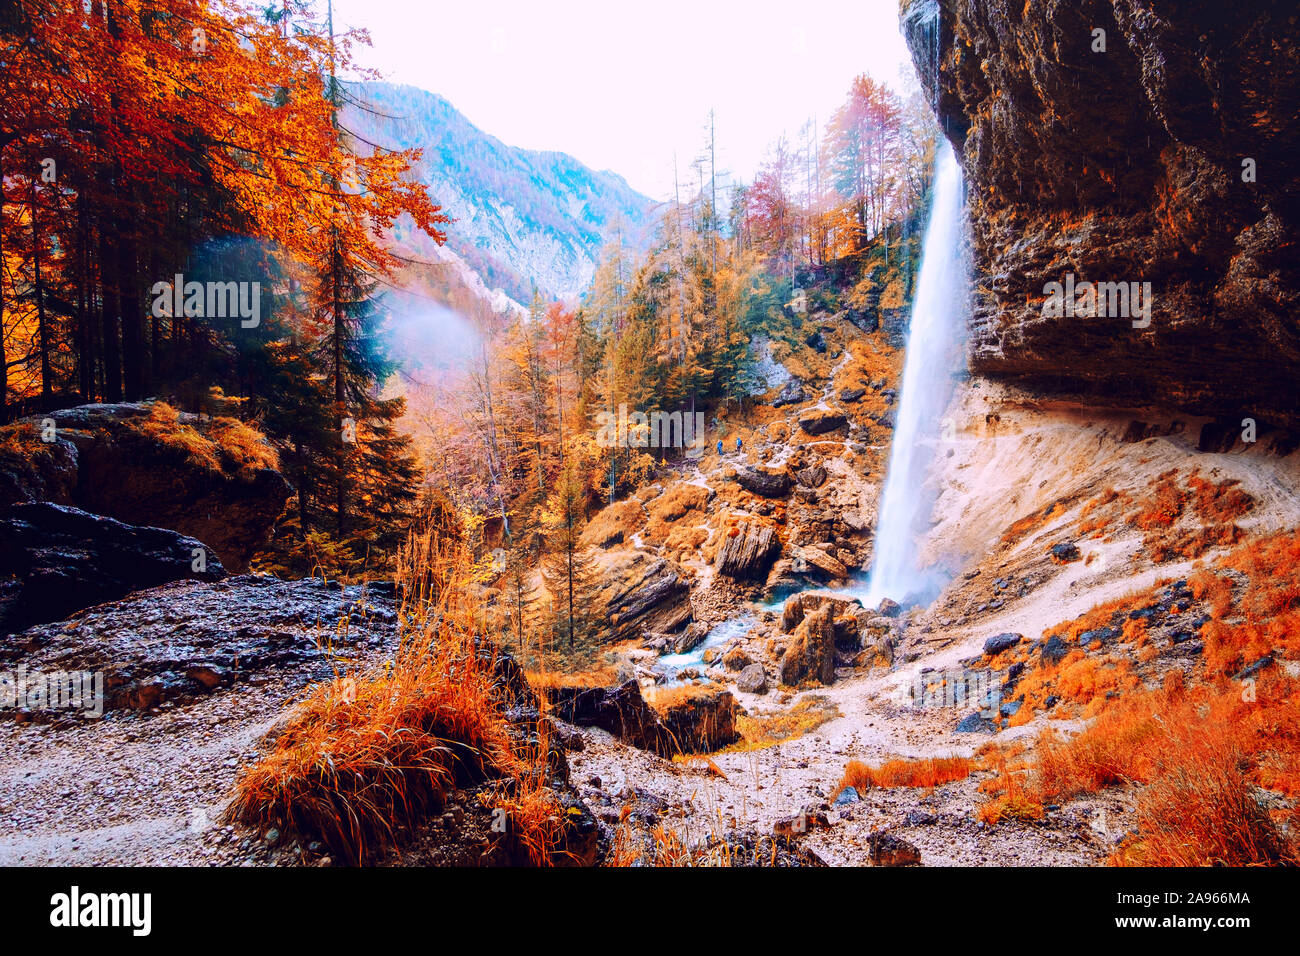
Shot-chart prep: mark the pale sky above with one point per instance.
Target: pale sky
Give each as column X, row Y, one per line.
column 622, row 85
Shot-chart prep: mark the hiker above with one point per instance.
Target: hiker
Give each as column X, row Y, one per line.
column 719, row 446
column 737, row 444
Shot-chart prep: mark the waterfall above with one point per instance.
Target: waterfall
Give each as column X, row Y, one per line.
column 934, row 355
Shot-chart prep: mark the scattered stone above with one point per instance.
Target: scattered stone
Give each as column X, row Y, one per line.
column 1065, row 553
column 1001, row 642
column 885, row 849
column 976, row 724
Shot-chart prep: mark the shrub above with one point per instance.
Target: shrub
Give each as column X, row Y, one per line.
column 365, row 754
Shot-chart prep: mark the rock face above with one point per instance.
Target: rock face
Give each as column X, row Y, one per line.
column 1172, row 158
column 55, row 560
column 183, row 640
column 748, row 555
column 106, row 464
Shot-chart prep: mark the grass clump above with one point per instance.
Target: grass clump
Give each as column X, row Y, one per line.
column 365, row 755
column 927, row 772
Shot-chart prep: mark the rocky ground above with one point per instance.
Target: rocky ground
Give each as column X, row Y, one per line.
column 199, row 673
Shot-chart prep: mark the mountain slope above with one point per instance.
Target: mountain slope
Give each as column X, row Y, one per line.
column 522, row 216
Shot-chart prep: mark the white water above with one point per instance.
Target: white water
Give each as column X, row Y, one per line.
column 934, row 354
column 724, row 632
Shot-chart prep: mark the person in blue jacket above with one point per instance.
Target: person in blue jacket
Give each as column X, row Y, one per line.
column 737, row 444
column 719, row 446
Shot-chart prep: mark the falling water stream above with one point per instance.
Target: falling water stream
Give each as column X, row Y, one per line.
column 934, row 356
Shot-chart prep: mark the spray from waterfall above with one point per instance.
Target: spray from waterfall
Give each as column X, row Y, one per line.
column 934, row 355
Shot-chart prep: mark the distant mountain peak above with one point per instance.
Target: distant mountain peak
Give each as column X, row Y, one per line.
column 523, row 218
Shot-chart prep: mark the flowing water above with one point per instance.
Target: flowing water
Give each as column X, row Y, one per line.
column 934, row 356
column 724, row 632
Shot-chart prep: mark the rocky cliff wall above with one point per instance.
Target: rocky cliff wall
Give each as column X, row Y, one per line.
column 1126, row 161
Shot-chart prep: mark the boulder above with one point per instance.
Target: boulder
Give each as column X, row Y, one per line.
column 736, row 659
column 889, row 608
column 1054, row 650
column 644, row 594
column 1001, row 642
column 747, row 553
column 852, row 394
column 1065, row 553
column 621, row 711
column 799, row 605
column 800, row 823
column 816, row 562
column 819, row 421
column 688, row 720
column 690, row 638
column 976, row 724
column 878, row 638
column 791, row 394
column 56, row 560
column 812, row 476
column 32, row 469
column 885, row 849
column 697, row 720
column 752, row 680
column 810, row 653
column 765, row 483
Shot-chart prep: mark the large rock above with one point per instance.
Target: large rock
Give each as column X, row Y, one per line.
column 816, row 562
column 55, row 560
column 185, row 639
column 698, row 720
column 791, row 394
column 1129, row 165
column 621, row 711
column 752, row 680
column 107, row 463
column 797, row 606
column 748, row 554
column 764, row 482
column 810, row 653
column 644, row 595
column 819, row 421
column 689, row 721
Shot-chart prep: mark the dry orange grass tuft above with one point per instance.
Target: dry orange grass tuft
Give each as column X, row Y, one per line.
column 1198, row 754
column 1010, row 796
column 1215, row 505
column 363, row 755
column 1021, row 527
column 926, row 772
column 224, row 443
